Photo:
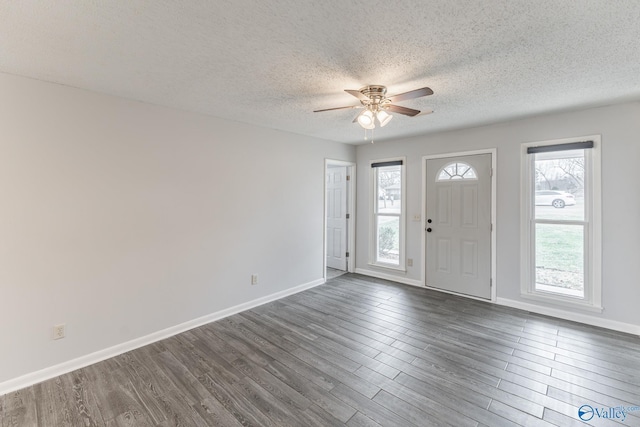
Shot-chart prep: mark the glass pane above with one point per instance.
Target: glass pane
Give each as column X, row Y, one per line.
column 559, row 185
column 388, row 238
column 470, row 174
column 456, row 171
column 389, row 185
column 559, row 252
column 444, row 175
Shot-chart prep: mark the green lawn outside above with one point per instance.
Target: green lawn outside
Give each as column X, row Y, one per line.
column 560, row 247
column 560, row 255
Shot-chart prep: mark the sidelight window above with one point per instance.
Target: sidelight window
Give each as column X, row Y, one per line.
column 387, row 219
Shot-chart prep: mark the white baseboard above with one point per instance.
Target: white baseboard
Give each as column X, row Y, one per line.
column 390, row 277
column 572, row 316
column 98, row 356
column 458, row 294
column 534, row 308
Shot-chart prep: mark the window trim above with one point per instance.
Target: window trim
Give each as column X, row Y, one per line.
column 592, row 300
column 373, row 244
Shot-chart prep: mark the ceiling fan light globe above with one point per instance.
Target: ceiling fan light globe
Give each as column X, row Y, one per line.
column 366, row 120
column 383, row 117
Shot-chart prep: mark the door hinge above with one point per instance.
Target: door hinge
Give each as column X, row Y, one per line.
column 348, row 216
column 491, row 283
column 348, row 177
column 491, row 227
column 491, row 172
column 347, row 255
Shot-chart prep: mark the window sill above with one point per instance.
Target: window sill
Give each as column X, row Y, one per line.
column 563, row 302
column 387, row 267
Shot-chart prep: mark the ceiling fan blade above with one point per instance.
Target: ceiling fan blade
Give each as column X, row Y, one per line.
column 339, row 108
column 425, row 112
column 402, row 110
column 357, row 94
column 411, row 94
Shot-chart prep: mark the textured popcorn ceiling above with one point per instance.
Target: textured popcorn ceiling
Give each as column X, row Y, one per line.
column 272, row 62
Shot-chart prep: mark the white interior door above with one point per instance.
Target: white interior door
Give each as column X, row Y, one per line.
column 458, row 224
column 337, row 217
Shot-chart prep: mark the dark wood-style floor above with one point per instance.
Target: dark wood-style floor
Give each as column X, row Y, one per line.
column 355, row 351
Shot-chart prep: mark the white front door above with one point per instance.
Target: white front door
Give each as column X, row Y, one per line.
column 458, row 224
column 337, row 217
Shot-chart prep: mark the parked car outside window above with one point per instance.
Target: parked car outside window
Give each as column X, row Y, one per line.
column 557, row 199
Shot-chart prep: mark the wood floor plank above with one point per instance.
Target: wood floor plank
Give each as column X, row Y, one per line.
column 579, row 396
column 562, row 420
column 412, row 413
column 346, row 320
column 316, row 416
column 329, row 366
column 19, row 408
column 548, row 402
column 444, row 392
column 236, row 402
column 346, row 377
column 314, row 393
column 368, row 407
column 427, row 372
column 215, row 414
column 469, row 404
column 565, row 381
column 588, row 370
column 268, row 404
column 431, row 400
column 181, row 377
column 273, row 385
column 179, row 412
column 297, row 366
column 616, row 393
column 517, row 416
column 344, row 355
column 361, row 420
column 357, row 351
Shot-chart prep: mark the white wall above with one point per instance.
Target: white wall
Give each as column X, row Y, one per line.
column 121, row 219
column 619, row 126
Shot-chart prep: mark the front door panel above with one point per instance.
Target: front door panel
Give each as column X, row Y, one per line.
column 458, row 235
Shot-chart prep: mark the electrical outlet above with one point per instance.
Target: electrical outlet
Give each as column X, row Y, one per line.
column 409, row 262
column 59, row 331
column 417, row 218
column 254, row 279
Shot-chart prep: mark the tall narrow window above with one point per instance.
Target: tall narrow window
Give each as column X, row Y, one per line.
column 387, row 234
column 561, row 221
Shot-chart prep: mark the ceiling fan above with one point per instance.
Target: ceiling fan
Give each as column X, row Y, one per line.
column 377, row 105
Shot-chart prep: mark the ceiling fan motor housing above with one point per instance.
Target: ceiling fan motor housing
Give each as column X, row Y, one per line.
column 376, row 95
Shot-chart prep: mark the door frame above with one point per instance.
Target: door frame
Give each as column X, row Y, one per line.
column 351, row 210
column 494, row 153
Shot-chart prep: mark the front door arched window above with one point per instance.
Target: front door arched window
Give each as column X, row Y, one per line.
column 456, row 170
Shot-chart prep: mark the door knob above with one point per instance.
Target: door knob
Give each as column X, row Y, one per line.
column 429, row 220
column 429, row 230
